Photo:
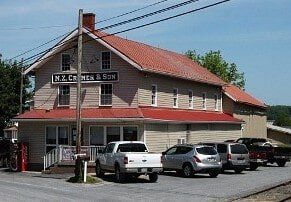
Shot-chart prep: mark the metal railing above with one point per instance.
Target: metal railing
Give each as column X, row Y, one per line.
column 64, row 153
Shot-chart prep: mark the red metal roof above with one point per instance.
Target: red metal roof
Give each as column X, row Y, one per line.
column 241, row 96
column 142, row 113
column 161, row 61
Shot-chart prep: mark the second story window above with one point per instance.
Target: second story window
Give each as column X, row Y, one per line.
column 154, row 95
column 106, row 94
column 64, row 95
column 175, row 97
column 204, row 101
column 190, row 94
column 216, row 102
column 66, row 62
column 105, row 60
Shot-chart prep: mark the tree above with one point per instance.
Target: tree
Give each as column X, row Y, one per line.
column 280, row 114
column 214, row 62
column 10, row 75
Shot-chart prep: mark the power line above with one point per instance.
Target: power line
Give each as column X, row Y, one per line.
column 144, row 25
column 56, row 26
column 130, row 12
column 121, row 23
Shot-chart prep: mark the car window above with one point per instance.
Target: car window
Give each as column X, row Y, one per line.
column 183, row 150
column 132, row 147
column 238, row 149
column 206, row 150
column 109, row 148
column 171, row 151
column 222, row 148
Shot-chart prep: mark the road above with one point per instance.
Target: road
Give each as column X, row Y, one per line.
column 36, row 187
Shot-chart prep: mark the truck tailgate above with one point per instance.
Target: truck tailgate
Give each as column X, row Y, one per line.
column 143, row 160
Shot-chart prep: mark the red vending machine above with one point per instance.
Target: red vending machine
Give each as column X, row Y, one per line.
column 23, row 157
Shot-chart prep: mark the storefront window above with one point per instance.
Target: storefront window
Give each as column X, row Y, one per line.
column 96, row 135
column 63, row 135
column 129, row 133
column 113, row 134
column 51, row 135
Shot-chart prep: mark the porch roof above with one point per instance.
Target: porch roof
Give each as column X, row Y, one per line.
column 148, row 114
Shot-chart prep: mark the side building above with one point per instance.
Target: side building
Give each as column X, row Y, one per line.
column 252, row 111
column 130, row 91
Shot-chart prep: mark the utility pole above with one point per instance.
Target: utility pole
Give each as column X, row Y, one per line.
column 21, row 87
column 78, row 168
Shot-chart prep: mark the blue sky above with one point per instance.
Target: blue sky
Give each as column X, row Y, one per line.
column 254, row 34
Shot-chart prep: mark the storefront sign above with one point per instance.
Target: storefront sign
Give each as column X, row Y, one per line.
column 94, row 77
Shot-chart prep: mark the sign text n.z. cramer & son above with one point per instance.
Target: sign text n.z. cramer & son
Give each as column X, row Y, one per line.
column 94, row 77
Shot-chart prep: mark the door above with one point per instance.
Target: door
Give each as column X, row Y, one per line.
column 108, row 161
column 222, row 151
column 180, row 156
column 74, row 136
column 168, row 158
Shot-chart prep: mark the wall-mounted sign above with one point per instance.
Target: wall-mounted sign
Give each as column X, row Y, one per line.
column 93, row 77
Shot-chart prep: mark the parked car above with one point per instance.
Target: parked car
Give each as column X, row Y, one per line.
column 128, row 158
column 234, row 156
column 190, row 159
column 257, row 154
column 274, row 153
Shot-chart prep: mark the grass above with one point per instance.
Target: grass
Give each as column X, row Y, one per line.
column 90, row 180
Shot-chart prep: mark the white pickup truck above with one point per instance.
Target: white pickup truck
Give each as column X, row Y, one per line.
column 128, row 158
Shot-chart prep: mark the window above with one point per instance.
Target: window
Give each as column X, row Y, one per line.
column 113, row 134
column 216, row 102
column 106, row 95
column 204, row 101
column 109, row 148
column 96, row 135
column 129, row 133
column 238, row 149
column 221, row 148
column 171, row 151
column 56, row 135
column 63, row 135
column 175, row 97
column 190, row 94
column 154, row 95
column 206, row 150
column 184, row 150
column 64, row 95
column 105, row 60
column 66, row 62
column 133, row 147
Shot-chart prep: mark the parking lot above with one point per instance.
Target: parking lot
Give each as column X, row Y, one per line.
column 170, row 187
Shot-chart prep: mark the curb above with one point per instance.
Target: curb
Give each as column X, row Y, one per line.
column 259, row 190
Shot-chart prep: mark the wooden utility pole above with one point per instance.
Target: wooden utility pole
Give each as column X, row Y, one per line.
column 21, row 87
column 78, row 168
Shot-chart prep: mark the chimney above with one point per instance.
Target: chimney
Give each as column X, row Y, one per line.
column 89, row 21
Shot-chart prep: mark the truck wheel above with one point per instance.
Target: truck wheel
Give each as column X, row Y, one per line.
column 253, row 166
column 153, row 177
column 98, row 170
column 281, row 163
column 187, row 170
column 119, row 176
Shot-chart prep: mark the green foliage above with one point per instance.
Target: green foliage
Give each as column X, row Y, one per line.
column 10, row 92
column 90, row 180
column 281, row 114
column 215, row 63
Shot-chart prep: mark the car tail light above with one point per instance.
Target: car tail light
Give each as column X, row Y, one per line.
column 228, row 156
column 125, row 160
column 197, row 159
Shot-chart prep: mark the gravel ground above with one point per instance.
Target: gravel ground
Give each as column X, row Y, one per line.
column 280, row 193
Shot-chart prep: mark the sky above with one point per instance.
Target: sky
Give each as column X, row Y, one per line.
column 254, row 34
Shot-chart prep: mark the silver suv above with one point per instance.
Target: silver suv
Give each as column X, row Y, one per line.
column 234, row 156
column 190, row 159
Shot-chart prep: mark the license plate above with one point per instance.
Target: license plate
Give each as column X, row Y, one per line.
column 211, row 160
column 241, row 161
column 143, row 170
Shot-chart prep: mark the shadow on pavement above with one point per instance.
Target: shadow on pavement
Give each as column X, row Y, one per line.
column 128, row 179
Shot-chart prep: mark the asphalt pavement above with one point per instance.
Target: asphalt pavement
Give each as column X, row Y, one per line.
column 170, row 187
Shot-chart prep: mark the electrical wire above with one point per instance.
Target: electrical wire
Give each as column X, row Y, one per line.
column 140, row 26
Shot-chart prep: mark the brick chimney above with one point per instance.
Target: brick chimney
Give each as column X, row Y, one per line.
column 89, row 21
